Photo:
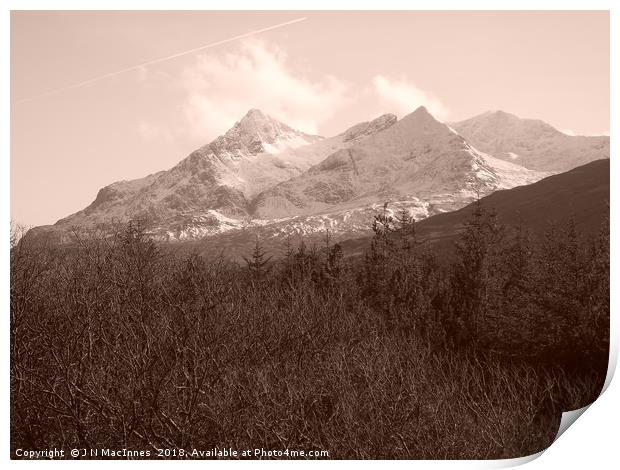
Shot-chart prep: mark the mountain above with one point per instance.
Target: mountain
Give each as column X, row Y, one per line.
column 418, row 161
column 531, row 143
column 211, row 190
column 264, row 178
column 418, row 164
column 581, row 193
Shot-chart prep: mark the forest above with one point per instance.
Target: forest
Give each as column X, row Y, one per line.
column 406, row 352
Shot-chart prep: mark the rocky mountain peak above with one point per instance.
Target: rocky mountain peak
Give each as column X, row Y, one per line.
column 501, row 115
column 258, row 133
column 420, row 114
column 256, row 125
column 507, row 121
column 422, row 120
column 422, row 124
column 254, row 113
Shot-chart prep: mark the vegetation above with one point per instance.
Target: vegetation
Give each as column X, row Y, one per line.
column 118, row 344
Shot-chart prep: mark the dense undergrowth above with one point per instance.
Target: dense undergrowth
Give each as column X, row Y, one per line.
column 118, row 344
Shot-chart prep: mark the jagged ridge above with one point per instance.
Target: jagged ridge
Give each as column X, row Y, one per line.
column 264, row 174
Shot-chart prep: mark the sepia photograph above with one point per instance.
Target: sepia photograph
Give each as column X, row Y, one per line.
column 306, row 235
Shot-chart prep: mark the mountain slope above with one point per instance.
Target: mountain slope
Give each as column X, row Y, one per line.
column 211, row 190
column 581, row 193
column 417, row 159
column 531, row 143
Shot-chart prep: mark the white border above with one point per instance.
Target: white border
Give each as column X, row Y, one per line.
column 591, row 443
column 308, row 5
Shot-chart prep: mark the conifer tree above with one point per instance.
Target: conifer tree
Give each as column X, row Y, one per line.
column 406, row 230
column 375, row 278
column 258, row 261
column 474, row 276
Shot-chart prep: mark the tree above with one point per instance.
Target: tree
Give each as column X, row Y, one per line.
column 406, row 230
column 375, row 276
column 258, row 261
column 475, row 276
column 398, row 280
column 572, row 292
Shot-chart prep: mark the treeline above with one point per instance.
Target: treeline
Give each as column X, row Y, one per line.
column 402, row 354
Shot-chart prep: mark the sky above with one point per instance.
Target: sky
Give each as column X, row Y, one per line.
column 322, row 74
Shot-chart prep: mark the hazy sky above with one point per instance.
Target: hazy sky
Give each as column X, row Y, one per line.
column 321, row 75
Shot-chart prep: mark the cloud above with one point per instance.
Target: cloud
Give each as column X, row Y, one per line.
column 402, row 97
column 567, row 132
column 217, row 89
column 221, row 88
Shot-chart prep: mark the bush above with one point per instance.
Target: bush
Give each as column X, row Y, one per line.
column 115, row 344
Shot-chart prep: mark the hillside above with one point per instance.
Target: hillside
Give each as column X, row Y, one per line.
column 582, row 193
column 531, row 143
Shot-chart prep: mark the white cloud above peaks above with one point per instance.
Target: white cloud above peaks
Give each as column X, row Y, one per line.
column 221, row 88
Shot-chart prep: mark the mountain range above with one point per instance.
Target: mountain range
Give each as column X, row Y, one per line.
column 262, row 176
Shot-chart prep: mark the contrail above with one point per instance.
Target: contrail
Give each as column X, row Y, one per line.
column 161, row 59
